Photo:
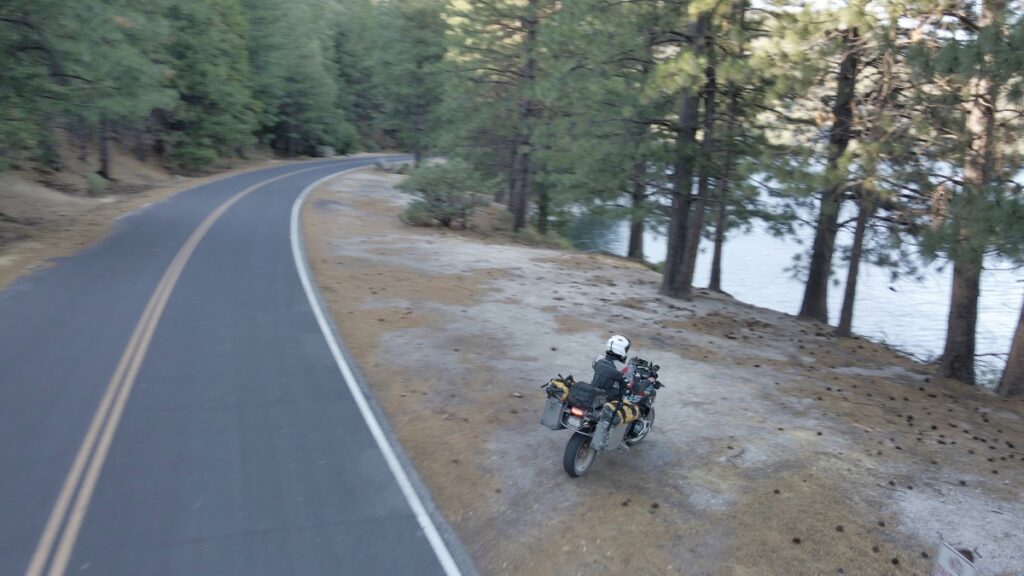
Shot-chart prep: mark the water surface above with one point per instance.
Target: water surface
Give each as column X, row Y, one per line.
column 907, row 313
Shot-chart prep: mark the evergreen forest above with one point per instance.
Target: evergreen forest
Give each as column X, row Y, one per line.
column 901, row 121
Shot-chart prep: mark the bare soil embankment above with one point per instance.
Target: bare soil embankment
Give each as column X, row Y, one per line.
column 778, row 449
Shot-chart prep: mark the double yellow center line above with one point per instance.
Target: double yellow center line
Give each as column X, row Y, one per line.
column 66, row 518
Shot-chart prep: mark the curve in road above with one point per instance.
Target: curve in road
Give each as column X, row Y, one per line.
column 222, row 444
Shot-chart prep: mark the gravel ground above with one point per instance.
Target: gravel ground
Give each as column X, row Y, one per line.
column 778, row 448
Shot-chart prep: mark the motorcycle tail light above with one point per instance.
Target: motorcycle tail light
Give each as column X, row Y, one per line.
column 578, row 412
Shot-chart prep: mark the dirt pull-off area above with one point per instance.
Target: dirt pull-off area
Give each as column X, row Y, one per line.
column 778, row 449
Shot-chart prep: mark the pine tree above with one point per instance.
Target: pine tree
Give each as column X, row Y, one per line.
column 93, row 64
column 958, row 354
column 215, row 113
column 707, row 169
column 603, row 114
column 882, row 143
column 496, row 48
column 410, row 48
column 295, row 78
column 747, row 77
column 354, row 43
column 31, row 76
column 973, row 87
column 674, row 280
column 815, row 300
column 761, row 83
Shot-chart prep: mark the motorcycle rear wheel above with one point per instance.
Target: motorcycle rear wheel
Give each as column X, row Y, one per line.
column 579, row 455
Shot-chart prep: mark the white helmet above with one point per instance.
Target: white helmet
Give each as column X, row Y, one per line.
column 617, row 346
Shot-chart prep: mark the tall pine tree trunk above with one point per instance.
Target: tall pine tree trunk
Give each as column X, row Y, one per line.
column 418, row 121
column 725, row 176
column 722, row 192
column 696, row 226
column 504, row 194
column 104, row 170
column 513, row 187
column 520, row 200
column 83, row 136
column 139, row 144
column 958, row 354
column 417, row 151
column 638, row 134
column 815, row 301
column 636, row 218
column 715, row 284
column 1012, row 382
column 673, row 282
column 49, row 152
column 543, row 206
column 864, row 212
column 867, row 200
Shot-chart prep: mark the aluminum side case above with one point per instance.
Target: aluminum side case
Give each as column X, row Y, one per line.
column 608, row 436
column 552, row 415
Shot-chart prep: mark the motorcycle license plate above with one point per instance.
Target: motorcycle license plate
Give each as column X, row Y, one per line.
column 573, row 421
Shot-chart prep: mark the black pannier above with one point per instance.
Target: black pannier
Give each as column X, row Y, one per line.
column 586, row 396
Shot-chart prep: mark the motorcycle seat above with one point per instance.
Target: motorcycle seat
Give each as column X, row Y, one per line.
column 586, row 395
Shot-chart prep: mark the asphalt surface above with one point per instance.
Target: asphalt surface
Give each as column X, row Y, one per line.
column 240, row 450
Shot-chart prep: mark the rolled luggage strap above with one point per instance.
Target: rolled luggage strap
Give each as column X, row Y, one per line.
column 557, row 389
column 623, row 411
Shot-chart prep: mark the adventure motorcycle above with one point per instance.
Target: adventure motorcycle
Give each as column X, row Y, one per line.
column 599, row 425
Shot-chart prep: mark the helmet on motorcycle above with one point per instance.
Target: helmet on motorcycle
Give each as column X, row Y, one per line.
column 617, row 346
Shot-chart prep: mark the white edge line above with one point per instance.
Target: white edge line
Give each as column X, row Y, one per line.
column 444, row 556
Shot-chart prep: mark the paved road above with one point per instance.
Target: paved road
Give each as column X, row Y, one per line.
column 237, row 447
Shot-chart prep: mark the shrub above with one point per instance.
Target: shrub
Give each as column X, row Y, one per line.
column 95, row 183
column 190, row 156
column 417, row 214
column 448, row 193
column 552, row 239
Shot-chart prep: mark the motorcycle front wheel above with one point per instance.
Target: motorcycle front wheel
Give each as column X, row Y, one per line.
column 579, row 455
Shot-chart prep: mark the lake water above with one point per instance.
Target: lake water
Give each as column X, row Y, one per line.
column 906, row 313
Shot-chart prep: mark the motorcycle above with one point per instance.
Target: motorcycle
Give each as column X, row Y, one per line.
column 598, row 425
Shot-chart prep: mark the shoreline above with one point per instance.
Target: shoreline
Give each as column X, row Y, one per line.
column 880, row 297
